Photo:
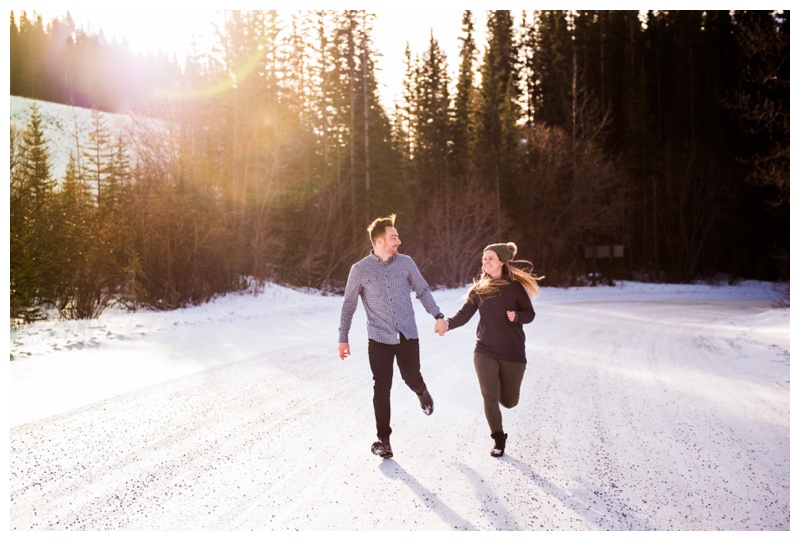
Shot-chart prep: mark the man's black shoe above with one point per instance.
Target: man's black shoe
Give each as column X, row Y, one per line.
column 382, row 448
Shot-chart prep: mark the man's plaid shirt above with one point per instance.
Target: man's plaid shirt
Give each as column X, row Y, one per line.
column 385, row 289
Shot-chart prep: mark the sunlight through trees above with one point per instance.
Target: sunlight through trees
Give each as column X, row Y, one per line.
column 663, row 132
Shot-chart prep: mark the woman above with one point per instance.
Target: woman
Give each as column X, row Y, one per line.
column 502, row 294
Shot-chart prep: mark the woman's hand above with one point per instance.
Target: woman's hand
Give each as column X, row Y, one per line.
column 512, row 315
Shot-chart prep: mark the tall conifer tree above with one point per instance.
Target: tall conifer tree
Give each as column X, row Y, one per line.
column 464, row 103
column 31, row 223
column 498, row 111
column 432, row 120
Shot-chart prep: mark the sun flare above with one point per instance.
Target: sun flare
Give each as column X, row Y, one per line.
column 147, row 31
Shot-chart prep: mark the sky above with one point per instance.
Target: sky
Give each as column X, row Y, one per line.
column 174, row 30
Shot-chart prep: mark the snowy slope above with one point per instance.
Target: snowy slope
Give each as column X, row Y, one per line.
column 644, row 407
column 67, row 128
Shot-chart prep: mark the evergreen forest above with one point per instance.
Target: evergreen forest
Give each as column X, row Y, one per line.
column 607, row 145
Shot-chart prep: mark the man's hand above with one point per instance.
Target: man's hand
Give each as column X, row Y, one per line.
column 344, row 350
column 442, row 326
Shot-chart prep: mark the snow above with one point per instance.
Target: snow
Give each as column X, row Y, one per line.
column 644, row 407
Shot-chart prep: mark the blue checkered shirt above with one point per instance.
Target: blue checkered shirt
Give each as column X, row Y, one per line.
column 385, row 289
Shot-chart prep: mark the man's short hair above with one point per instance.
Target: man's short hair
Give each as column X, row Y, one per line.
column 378, row 227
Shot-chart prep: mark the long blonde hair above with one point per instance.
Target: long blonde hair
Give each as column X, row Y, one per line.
column 513, row 271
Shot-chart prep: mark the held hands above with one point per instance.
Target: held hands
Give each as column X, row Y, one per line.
column 442, row 326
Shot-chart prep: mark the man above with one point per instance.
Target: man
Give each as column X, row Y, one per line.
column 384, row 280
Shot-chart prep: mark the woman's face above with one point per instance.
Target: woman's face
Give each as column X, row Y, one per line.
column 492, row 264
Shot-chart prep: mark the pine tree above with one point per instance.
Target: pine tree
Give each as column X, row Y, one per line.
column 464, row 103
column 381, row 157
column 431, row 121
column 119, row 173
column 31, row 45
column 529, row 87
column 35, row 168
column 321, row 102
column 498, row 112
column 761, row 101
column 590, row 113
column 402, row 119
column 16, row 58
column 74, row 189
column 31, row 222
column 357, row 176
column 98, row 159
column 57, row 48
column 756, row 101
column 80, row 279
column 552, row 69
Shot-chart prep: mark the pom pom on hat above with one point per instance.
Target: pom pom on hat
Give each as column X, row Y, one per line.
column 504, row 250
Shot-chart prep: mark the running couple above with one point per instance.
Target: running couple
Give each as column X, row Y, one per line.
column 384, row 281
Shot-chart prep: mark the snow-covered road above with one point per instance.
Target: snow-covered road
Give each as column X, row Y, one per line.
column 640, row 410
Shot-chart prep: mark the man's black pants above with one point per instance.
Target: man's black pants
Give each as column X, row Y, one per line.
column 381, row 360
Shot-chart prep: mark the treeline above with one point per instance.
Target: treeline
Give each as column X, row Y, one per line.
column 666, row 133
column 62, row 63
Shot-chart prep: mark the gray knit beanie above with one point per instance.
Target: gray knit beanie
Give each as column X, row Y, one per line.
column 504, row 250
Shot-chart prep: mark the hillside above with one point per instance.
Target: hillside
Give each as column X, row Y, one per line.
column 66, row 128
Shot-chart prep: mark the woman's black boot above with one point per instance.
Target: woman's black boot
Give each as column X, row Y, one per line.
column 499, row 443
